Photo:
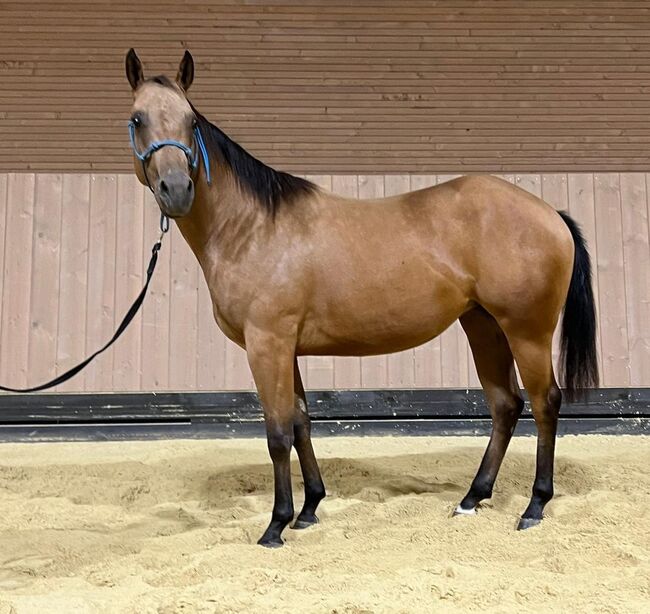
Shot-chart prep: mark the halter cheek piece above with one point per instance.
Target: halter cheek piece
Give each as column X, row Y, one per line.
column 193, row 158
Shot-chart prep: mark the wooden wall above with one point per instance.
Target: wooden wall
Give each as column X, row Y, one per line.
column 73, row 248
column 372, row 86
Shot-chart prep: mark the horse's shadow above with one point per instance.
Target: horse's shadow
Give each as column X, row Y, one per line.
column 444, row 474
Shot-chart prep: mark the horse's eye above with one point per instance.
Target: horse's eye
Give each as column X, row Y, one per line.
column 194, row 124
column 137, row 122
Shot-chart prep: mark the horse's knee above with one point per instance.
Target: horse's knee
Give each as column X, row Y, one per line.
column 507, row 409
column 279, row 441
column 554, row 398
column 546, row 405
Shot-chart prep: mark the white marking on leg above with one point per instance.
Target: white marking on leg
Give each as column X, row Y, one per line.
column 469, row 512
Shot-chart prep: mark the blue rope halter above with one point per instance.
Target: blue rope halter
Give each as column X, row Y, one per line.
column 193, row 158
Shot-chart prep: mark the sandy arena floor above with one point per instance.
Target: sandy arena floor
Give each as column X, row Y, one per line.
column 170, row 526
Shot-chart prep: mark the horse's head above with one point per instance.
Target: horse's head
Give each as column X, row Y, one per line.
column 165, row 139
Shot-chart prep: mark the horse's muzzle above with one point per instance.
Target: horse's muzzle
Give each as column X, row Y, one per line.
column 175, row 194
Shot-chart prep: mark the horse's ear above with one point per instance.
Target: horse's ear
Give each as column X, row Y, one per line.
column 185, row 74
column 134, row 72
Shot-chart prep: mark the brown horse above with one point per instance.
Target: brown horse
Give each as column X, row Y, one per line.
column 294, row 270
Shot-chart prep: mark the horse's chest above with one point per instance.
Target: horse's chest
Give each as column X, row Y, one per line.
column 229, row 304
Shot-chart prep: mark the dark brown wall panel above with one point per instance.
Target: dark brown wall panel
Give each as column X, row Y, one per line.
column 358, row 87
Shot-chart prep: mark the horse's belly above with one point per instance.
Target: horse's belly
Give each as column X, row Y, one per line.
column 362, row 323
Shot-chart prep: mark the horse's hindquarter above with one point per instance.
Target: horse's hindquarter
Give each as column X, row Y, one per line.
column 393, row 273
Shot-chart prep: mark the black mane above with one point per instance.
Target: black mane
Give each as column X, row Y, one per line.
column 269, row 187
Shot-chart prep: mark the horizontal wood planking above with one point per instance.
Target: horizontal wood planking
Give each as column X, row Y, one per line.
column 365, row 87
column 98, row 258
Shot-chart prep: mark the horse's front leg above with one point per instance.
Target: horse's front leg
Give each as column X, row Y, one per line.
column 271, row 358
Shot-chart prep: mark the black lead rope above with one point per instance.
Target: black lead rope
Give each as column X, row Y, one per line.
column 64, row 377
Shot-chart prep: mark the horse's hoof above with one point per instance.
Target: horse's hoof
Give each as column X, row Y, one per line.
column 526, row 523
column 305, row 523
column 271, row 542
column 459, row 511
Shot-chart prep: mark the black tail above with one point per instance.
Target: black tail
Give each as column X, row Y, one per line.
column 578, row 357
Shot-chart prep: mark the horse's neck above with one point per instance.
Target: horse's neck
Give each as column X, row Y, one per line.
column 222, row 223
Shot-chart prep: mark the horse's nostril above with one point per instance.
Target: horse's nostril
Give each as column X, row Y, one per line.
column 189, row 185
column 163, row 187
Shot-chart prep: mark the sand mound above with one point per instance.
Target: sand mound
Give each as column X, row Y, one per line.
column 170, row 526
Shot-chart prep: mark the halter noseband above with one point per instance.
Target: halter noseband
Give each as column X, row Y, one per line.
column 193, row 158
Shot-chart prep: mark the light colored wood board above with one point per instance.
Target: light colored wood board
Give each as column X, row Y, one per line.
column 156, row 308
column 44, row 304
column 4, row 205
column 401, row 365
column 555, row 190
column 421, row 181
column 14, row 338
column 473, row 380
column 447, row 177
column 374, row 369
column 238, row 373
column 455, row 368
column 183, row 329
column 320, row 369
column 211, row 355
column 129, row 278
column 101, row 280
column 302, row 367
column 347, row 370
column 636, row 253
column 583, row 211
column 428, row 366
column 73, row 279
column 530, row 182
column 611, row 277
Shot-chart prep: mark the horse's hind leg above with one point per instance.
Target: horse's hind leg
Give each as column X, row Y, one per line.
column 496, row 370
column 534, row 357
column 314, row 487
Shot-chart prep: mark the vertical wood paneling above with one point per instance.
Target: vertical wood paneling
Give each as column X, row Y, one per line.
column 347, row 369
column 128, row 280
column 530, row 182
column 4, row 181
column 44, row 304
column 14, row 339
column 156, row 308
column 211, row 348
column 583, row 209
column 237, row 374
column 320, row 369
column 100, row 299
column 611, row 274
column 427, row 359
column 555, row 190
column 636, row 255
column 101, row 229
column 374, row 369
column 73, row 279
column 183, row 329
